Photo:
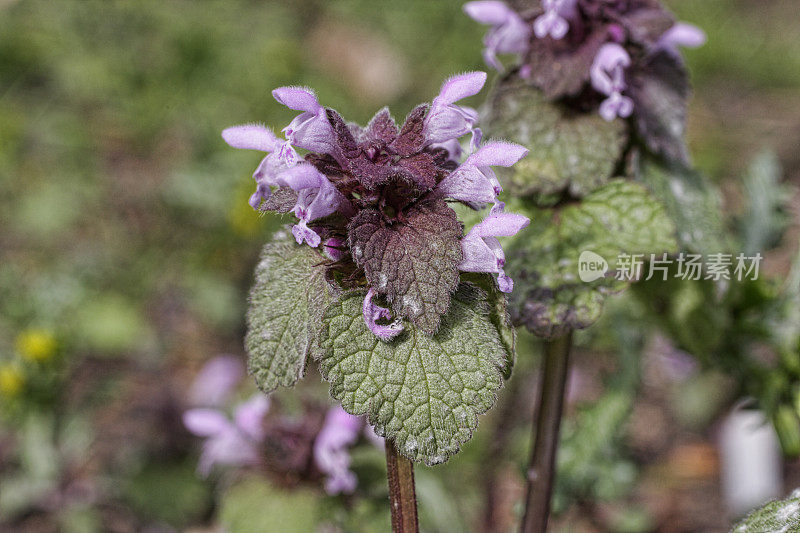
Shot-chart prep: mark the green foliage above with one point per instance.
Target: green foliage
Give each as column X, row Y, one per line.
column 253, row 505
column 569, row 152
column 765, row 218
column 780, row 515
column 423, row 392
column 286, row 304
column 619, row 218
column 189, row 495
column 692, row 203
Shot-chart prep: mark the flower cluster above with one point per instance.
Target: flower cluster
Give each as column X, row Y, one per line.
column 607, row 54
column 375, row 199
column 249, row 439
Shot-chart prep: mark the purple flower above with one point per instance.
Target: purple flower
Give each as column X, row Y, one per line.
column 231, row 443
column 482, row 250
column 257, row 137
column 474, row 181
column 509, row 33
column 374, row 312
column 445, row 120
column 339, row 431
column 316, row 198
column 681, row 34
column 554, row 22
column 310, row 129
column 608, row 77
column 216, row 380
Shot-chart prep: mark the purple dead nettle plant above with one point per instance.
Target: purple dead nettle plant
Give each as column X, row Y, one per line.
column 354, row 181
column 403, row 309
column 602, row 54
column 598, row 92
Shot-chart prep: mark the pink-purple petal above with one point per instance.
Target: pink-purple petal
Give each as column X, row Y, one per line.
column 460, row 86
column 205, row 422
column 297, row 98
column 249, row 416
column 501, row 225
column 251, row 137
column 373, row 312
column 216, row 380
column 497, row 153
column 488, row 12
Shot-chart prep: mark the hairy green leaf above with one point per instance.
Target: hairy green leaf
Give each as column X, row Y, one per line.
column 781, row 515
column 691, row 202
column 619, row 218
column 424, row 392
column 414, row 261
column 568, row 151
column 286, row 304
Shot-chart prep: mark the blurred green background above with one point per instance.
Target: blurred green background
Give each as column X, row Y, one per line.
column 127, row 244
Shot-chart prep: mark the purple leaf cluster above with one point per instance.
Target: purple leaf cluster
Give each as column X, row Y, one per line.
column 617, row 56
column 376, row 199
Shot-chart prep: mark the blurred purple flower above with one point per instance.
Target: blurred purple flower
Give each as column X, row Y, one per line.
column 608, row 77
column 681, row 34
column 216, row 380
column 482, row 250
column 509, row 34
column 229, row 443
column 553, row 22
column 339, row 431
column 445, row 120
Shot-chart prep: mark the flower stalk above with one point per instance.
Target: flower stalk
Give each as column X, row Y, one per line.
column 546, row 425
column 402, row 492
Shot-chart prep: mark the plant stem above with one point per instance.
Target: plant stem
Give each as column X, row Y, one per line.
column 546, row 423
column 402, row 494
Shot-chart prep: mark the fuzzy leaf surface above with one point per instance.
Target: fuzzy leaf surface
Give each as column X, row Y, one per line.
column 283, row 320
column 781, row 515
column 691, row 202
column 424, row 392
column 568, row 151
column 414, row 262
column 619, row 218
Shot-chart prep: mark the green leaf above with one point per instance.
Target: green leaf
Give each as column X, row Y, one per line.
column 781, row 515
column 691, row 202
column 424, row 392
column 619, row 218
column 766, row 217
column 569, row 151
column 414, row 262
column 286, row 305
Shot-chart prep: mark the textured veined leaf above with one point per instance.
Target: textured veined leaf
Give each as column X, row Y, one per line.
column 551, row 294
column 424, row 392
column 286, row 305
column 568, row 151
